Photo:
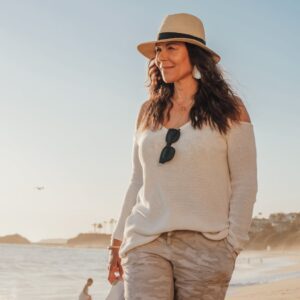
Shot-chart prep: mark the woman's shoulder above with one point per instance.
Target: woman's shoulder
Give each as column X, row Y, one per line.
column 243, row 112
column 244, row 117
column 141, row 113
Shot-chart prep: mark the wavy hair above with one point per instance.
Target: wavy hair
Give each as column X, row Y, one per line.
column 215, row 102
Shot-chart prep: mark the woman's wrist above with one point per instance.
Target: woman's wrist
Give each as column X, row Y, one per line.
column 113, row 247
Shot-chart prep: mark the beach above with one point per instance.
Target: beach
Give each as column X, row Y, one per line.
column 288, row 289
column 36, row 272
column 278, row 278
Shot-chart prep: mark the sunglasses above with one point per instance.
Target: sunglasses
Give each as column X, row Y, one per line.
column 168, row 151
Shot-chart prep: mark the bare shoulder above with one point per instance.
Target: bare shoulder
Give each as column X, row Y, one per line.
column 244, row 115
column 142, row 111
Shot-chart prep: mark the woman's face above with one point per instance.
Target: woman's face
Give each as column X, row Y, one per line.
column 173, row 61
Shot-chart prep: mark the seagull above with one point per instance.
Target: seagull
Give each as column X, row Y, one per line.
column 39, row 188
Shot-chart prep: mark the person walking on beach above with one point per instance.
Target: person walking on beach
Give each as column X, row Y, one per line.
column 188, row 208
column 84, row 295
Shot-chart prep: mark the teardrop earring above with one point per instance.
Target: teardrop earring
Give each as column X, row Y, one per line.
column 196, row 73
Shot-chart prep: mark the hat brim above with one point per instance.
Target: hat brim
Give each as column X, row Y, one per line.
column 148, row 48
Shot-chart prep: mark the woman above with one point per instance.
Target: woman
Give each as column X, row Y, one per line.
column 188, row 208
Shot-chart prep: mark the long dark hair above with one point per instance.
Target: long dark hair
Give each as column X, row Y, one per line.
column 215, row 101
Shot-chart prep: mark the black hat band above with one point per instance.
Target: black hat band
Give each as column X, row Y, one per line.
column 173, row 35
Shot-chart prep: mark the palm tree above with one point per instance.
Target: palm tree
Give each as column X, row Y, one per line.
column 99, row 226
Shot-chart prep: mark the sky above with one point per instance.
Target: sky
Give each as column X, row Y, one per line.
column 72, row 82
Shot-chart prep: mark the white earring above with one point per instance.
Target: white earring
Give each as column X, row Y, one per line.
column 196, row 73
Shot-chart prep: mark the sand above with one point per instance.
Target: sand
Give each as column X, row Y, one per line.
column 286, row 289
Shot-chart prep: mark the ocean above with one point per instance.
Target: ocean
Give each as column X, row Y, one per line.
column 35, row 272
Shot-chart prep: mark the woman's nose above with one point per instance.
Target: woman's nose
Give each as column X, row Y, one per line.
column 161, row 55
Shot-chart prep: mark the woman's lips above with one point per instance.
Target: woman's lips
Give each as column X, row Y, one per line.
column 167, row 69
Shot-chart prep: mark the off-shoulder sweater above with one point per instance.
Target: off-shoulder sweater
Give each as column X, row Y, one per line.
column 209, row 186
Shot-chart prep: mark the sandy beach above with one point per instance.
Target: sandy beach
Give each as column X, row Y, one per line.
column 288, row 289
column 280, row 289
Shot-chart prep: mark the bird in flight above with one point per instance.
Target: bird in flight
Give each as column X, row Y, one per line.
column 39, row 188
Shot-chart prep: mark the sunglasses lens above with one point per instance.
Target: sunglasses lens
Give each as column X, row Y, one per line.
column 172, row 136
column 167, row 154
column 168, row 151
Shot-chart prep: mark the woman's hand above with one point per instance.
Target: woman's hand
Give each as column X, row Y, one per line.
column 114, row 265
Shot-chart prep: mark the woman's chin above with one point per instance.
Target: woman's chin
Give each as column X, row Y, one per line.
column 168, row 80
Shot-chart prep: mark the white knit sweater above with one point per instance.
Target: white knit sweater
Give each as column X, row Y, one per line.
column 210, row 186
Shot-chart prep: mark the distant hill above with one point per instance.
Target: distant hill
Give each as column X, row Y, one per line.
column 90, row 240
column 14, row 239
column 98, row 240
column 279, row 232
column 273, row 240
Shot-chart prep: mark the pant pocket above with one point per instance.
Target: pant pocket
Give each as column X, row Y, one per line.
column 202, row 241
column 230, row 248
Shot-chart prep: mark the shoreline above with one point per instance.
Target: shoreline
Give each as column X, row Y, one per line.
column 285, row 286
column 258, row 275
column 286, row 289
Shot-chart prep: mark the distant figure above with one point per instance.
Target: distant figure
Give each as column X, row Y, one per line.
column 84, row 295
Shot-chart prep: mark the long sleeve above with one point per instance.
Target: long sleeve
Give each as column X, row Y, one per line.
column 242, row 164
column 135, row 184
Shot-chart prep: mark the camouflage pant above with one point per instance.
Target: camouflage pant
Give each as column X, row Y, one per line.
column 181, row 265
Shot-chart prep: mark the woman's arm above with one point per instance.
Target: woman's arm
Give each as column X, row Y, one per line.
column 135, row 184
column 242, row 164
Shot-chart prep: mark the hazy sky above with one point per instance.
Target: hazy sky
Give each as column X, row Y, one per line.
column 72, row 83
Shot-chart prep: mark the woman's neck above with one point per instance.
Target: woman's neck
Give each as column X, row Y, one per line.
column 184, row 90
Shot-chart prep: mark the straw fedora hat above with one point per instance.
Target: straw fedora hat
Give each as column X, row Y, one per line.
column 180, row 27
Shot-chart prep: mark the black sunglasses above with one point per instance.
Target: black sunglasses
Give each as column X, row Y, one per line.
column 168, row 151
